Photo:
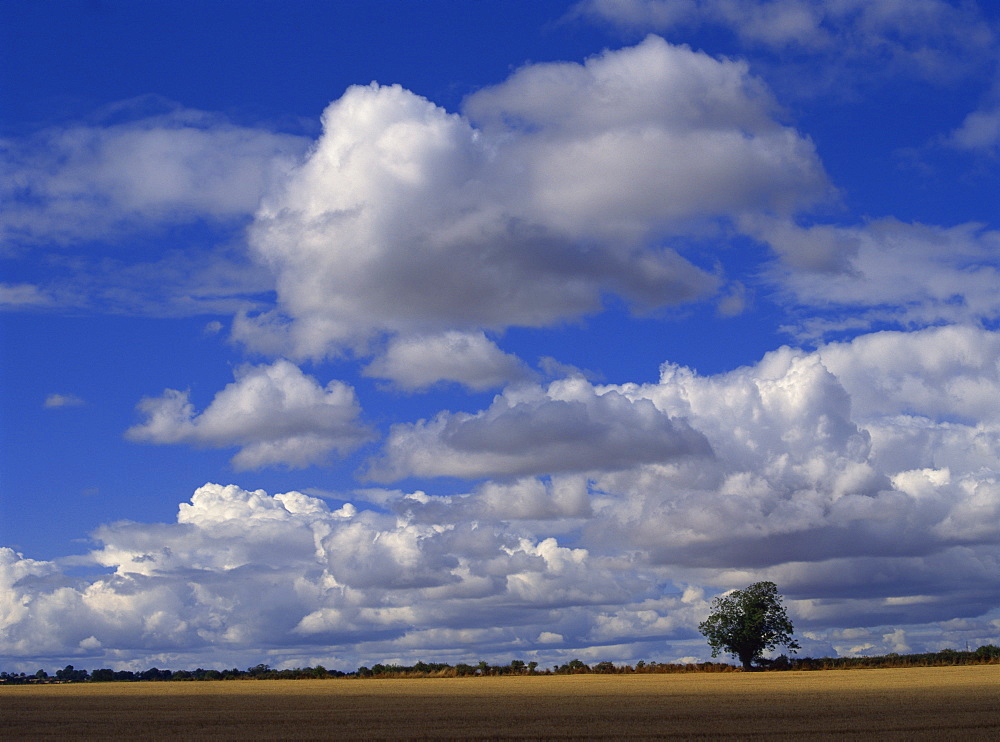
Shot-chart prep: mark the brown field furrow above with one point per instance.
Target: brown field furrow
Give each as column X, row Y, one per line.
column 919, row 703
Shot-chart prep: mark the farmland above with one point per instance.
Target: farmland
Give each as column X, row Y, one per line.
column 912, row 703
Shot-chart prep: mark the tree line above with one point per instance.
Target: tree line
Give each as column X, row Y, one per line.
column 986, row 654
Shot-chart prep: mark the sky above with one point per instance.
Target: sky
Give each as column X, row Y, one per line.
column 342, row 333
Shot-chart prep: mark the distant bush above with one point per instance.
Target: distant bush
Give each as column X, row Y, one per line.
column 985, row 655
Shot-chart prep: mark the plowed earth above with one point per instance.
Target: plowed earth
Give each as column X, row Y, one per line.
column 960, row 703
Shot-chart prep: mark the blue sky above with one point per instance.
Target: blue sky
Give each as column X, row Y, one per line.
column 347, row 333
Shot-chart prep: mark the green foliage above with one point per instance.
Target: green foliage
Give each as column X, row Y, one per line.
column 988, row 651
column 573, row 667
column 156, row 674
column 70, row 675
column 747, row 623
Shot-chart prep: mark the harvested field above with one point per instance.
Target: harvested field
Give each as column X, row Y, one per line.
column 916, row 703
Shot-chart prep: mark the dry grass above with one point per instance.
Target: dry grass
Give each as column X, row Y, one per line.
column 914, row 703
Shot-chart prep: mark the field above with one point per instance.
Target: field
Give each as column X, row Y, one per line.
column 915, row 703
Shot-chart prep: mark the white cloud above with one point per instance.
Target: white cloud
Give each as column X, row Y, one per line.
column 928, row 399
column 20, row 295
column 562, row 501
column 906, row 274
column 650, row 136
column 734, row 301
column 931, row 38
column 189, row 281
column 945, row 373
column 240, row 569
column 102, row 190
column 567, row 427
column 276, row 415
column 881, row 448
column 829, row 470
column 565, row 496
column 980, row 131
column 778, row 23
column 88, row 180
column 62, row 400
column 558, row 186
column 471, row 359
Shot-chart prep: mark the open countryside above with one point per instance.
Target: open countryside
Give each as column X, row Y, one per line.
column 338, row 336
column 907, row 703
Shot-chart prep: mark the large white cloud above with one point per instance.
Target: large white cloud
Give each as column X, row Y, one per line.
column 276, row 414
column 882, row 449
column 640, row 139
column 805, row 448
column 928, row 399
column 557, row 187
column 943, row 374
column 240, row 569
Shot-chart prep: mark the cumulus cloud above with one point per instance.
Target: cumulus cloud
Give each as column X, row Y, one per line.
column 928, row 398
column 172, row 165
column 276, row 414
column 560, row 500
column 820, row 480
column 885, row 271
column 878, row 452
column 566, row 427
column 240, row 569
column 468, row 358
column 557, row 187
column 644, row 137
column 944, row 373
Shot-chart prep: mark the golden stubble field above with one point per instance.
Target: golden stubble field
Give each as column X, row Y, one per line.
column 958, row 703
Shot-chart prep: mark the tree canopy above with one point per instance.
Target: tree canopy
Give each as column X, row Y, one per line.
column 747, row 623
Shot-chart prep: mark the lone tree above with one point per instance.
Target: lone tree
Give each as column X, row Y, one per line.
column 746, row 623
